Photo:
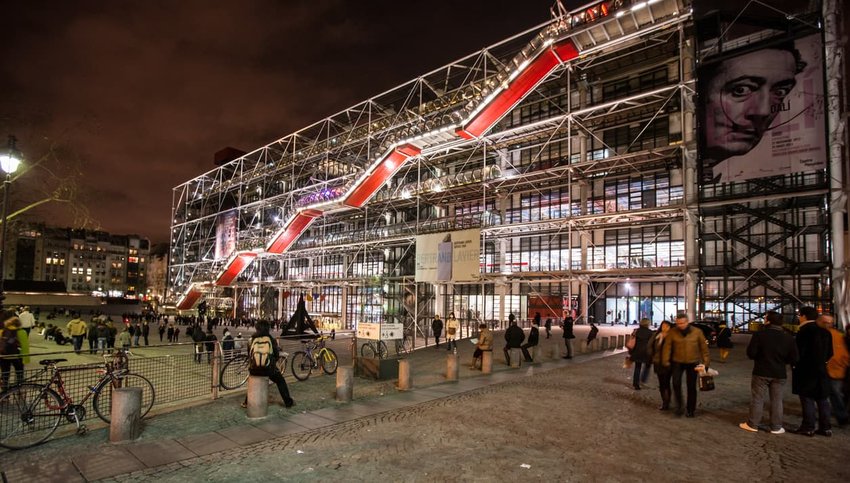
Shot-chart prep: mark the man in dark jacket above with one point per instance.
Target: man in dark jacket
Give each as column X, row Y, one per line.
column 810, row 378
column 514, row 337
column 533, row 338
column 437, row 328
column 568, row 337
column 771, row 349
column 639, row 355
column 198, row 337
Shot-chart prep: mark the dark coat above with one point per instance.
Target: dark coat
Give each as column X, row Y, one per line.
column 592, row 334
column 642, row 337
column 514, row 336
column 772, row 349
column 568, row 328
column 533, row 336
column 437, row 327
column 724, row 338
column 810, row 378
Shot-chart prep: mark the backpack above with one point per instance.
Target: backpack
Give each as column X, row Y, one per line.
column 9, row 343
column 261, row 352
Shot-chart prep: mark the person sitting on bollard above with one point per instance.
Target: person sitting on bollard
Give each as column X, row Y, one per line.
column 485, row 343
column 592, row 334
column 533, row 339
column 514, row 337
column 263, row 353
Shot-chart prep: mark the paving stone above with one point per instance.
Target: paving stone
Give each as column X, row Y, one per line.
column 310, row 421
column 159, row 453
column 58, row 471
column 281, row 427
column 207, row 443
column 105, row 462
column 337, row 415
column 245, row 434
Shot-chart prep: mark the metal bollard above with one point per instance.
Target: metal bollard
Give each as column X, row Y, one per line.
column 258, row 397
column 516, row 357
column 487, row 362
column 405, row 381
column 344, row 384
column 125, row 423
column 537, row 354
column 452, row 370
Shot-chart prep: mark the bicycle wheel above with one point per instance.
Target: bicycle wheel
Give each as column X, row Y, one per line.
column 234, row 374
column 102, row 401
column 402, row 346
column 367, row 350
column 302, row 366
column 281, row 362
column 328, row 360
column 29, row 414
column 382, row 349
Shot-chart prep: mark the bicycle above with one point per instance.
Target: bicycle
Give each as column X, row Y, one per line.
column 314, row 355
column 372, row 349
column 404, row 345
column 30, row 412
column 234, row 373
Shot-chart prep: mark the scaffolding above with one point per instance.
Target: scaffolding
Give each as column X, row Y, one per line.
column 570, row 146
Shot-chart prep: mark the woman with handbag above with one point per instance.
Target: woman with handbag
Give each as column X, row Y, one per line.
column 452, row 332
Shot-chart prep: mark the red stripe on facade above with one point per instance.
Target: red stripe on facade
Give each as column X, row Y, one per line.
column 189, row 300
column 380, row 175
column 237, row 265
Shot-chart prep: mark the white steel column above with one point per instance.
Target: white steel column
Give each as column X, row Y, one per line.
column 838, row 200
column 689, row 163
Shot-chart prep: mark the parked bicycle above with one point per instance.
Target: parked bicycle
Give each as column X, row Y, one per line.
column 404, row 345
column 374, row 349
column 314, row 355
column 30, row 412
column 234, row 373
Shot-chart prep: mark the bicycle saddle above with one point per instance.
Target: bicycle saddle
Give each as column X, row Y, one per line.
column 47, row 362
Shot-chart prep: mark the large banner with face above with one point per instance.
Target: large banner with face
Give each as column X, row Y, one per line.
column 448, row 257
column 225, row 234
column 762, row 112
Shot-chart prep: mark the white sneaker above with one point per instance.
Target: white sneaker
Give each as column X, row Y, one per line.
column 746, row 427
column 778, row 431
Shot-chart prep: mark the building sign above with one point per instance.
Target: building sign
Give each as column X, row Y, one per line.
column 225, row 234
column 448, row 257
column 371, row 331
column 762, row 111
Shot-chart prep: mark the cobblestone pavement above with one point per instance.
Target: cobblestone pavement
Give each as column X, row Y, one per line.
column 564, row 421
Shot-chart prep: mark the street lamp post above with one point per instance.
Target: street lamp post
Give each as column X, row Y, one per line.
column 9, row 163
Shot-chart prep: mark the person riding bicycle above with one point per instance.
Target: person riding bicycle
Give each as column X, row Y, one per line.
column 263, row 353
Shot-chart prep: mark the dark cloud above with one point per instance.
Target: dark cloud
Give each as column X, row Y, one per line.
column 141, row 94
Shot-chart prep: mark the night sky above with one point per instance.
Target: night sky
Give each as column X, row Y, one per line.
column 128, row 99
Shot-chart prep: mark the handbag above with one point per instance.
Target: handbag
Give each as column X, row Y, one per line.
column 631, row 343
column 706, row 382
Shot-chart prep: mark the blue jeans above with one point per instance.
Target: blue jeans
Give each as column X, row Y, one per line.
column 812, row 409
column 836, row 399
column 759, row 387
column 641, row 376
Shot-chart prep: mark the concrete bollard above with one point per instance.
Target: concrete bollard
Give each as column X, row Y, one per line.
column 344, row 384
column 556, row 351
column 604, row 343
column 537, row 354
column 258, row 397
column 516, row 357
column 452, row 369
column 405, row 381
column 613, row 342
column 125, row 423
column 487, row 362
column 594, row 345
column 627, row 337
column 621, row 341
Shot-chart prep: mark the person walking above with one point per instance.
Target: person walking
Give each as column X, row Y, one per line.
column 568, row 337
column 77, row 330
column 437, row 329
column 146, row 330
column 137, row 333
column 263, row 353
column 770, row 349
column 199, row 338
column 15, row 346
column 724, row 342
column 513, row 338
column 548, row 327
column 837, row 370
column 91, row 334
column 27, row 319
column 655, row 351
column 809, row 377
column 640, row 355
column 170, row 333
column 162, row 332
column 452, row 332
column 686, row 354
column 533, row 339
column 102, row 334
column 210, row 339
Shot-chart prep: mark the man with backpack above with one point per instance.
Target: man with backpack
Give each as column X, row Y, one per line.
column 13, row 342
column 263, row 353
column 77, row 330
